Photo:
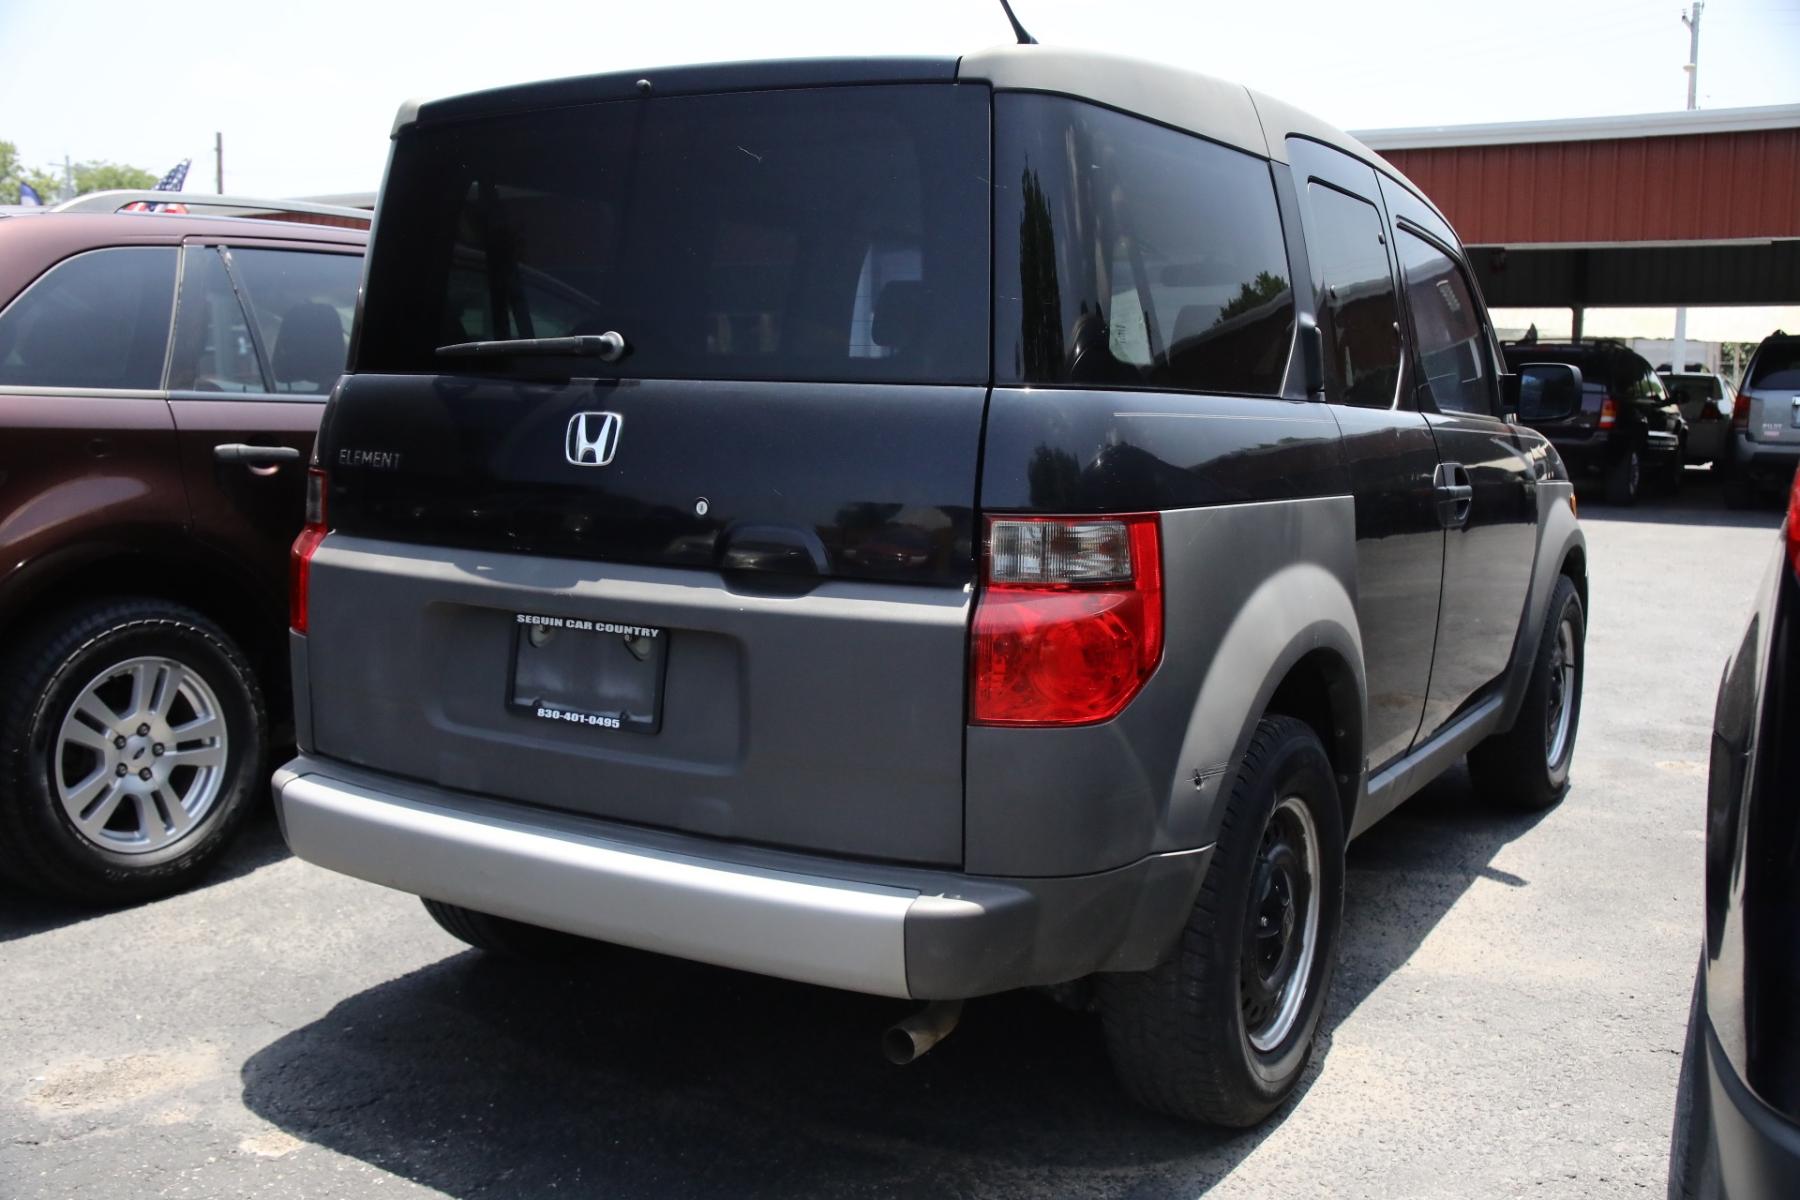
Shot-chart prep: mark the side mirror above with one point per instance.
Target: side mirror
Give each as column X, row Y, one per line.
column 1549, row 392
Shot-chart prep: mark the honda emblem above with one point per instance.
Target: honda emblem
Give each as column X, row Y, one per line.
column 592, row 438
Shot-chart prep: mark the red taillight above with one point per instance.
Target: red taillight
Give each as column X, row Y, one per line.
column 1609, row 413
column 1069, row 622
column 300, row 557
column 1740, row 412
column 1793, row 524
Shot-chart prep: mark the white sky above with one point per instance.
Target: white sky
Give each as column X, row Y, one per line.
column 305, row 94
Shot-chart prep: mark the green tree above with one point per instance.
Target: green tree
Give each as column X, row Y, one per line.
column 93, row 176
column 1258, row 292
column 106, row 177
column 10, row 173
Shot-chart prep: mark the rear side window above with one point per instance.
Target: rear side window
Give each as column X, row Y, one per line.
column 302, row 304
column 1130, row 255
column 1357, row 305
column 98, row 320
column 214, row 350
column 813, row 234
column 1451, row 343
column 1639, row 382
column 1777, row 366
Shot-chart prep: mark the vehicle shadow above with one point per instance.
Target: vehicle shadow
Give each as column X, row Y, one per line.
column 631, row 1074
column 258, row 844
column 1701, row 501
column 1406, row 873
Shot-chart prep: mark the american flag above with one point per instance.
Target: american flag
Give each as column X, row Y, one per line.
column 168, row 183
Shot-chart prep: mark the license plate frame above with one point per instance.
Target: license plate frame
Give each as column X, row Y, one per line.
column 592, row 674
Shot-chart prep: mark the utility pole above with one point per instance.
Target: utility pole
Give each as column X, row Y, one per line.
column 219, row 160
column 1691, row 18
column 68, row 179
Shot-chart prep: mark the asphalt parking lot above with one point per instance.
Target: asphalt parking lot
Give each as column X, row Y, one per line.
column 1507, row 1019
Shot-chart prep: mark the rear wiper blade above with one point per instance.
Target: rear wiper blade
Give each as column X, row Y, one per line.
column 607, row 347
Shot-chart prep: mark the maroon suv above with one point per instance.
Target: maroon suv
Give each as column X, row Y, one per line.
column 161, row 379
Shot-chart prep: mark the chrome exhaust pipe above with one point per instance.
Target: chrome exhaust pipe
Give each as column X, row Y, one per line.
column 909, row 1039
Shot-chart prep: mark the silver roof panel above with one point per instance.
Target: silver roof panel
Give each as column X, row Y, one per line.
column 1199, row 104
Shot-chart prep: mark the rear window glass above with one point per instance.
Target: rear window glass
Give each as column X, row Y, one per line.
column 98, row 320
column 1696, row 387
column 1130, row 255
column 813, row 234
column 1777, row 366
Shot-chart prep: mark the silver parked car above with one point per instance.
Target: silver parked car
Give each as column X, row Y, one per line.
column 1765, row 422
column 1705, row 400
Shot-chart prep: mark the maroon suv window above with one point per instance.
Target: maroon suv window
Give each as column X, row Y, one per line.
column 97, row 320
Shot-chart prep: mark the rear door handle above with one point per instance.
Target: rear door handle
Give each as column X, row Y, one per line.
column 255, row 456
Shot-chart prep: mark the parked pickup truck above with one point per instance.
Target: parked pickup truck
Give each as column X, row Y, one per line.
column 925, row 527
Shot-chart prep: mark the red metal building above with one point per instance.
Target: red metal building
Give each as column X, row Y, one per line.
column 1667, row 208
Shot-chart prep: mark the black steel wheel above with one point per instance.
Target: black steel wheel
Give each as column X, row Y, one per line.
column 1527, row 767
column 1223, row 1028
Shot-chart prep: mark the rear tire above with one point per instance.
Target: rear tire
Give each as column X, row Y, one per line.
column 1527, row 767
column 1625, row 479
column 1222, row 1029
column 504, row 936
column 1739, row 493
column 1674, row 475
column 132, row 744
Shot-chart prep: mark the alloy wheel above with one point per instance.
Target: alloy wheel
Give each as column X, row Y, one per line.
column 139, row 760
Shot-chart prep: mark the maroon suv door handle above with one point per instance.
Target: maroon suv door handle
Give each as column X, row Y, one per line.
column 255, row 456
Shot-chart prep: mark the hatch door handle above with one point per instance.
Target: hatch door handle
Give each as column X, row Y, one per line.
column 1455, row 495
column 255, row 456
column 777, row 549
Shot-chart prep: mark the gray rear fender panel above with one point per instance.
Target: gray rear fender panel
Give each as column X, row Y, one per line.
column 1249, row 590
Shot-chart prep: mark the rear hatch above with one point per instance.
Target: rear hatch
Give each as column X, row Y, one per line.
column 720, row 585
column 1771, row 392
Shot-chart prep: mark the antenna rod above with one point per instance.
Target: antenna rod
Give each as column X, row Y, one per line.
column 1025, row 39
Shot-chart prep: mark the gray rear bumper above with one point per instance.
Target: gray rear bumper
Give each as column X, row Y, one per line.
column 1772, row 458
column 863, row 927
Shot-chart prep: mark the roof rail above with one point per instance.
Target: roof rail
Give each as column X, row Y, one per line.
column 222, row 206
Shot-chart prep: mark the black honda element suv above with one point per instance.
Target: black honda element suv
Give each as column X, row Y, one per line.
column 927, row 528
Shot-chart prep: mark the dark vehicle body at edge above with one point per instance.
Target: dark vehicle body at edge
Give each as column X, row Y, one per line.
column 1737, row 1112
